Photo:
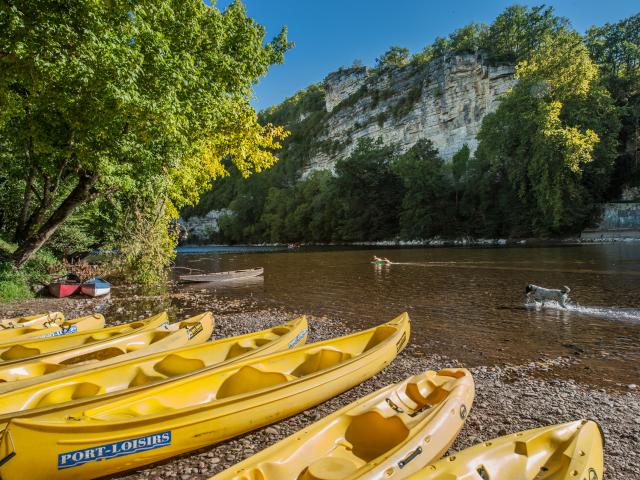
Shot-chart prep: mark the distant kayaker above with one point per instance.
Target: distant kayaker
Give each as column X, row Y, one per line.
column 378, row 260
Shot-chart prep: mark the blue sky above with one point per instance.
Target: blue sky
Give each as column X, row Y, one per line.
column 331, row 33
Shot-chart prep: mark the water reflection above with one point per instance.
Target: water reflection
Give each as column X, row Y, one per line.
column 467, row 303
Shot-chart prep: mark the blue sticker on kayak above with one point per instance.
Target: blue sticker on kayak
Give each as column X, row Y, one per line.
column 62, row 331
column 113, row 450
column 297, row 338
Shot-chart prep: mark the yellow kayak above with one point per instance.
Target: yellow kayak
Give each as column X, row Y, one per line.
column 388, row 434
column 192, row 331
column 32, row 348
column 104, row 437
column 40, row 320
column 67, row 327
column 111, row 381
column 570, row 451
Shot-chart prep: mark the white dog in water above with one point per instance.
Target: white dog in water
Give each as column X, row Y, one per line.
column 540, row 294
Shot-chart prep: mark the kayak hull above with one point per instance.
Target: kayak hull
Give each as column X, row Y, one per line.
column 222, row 276
column 33, row 348
column 124, row 377
column 559, row 452
column 61, row 290
column 137, row 344
column 41, row 320
column 95, row 287
column 49, row 330
column 202, row 409
column 388, row 434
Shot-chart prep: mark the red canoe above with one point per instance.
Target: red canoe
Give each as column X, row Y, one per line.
column 65, row 286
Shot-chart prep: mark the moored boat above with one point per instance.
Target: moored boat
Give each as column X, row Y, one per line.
column 65, row 286
column 49, row 330
column 35, row 347
column 388, row 434
column 570, row 451
column 125, row 377
column 95, row 287
column 103, row 437
column 223, row 276
column 192, row 331
column 40, row 320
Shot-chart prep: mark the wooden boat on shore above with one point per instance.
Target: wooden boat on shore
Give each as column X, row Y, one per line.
column 40, row 320
column 570, row 451
column 33, row 348
column 66, row 327
column 104, row 437
column 95, row 287
column 223, row 276
column 192, row 331
column 125, row 377
column 65, row 286
column 388, row 434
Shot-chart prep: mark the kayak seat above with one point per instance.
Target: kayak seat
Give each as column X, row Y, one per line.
column 67, row 393
column 323, row 359
column 98, row 355
column 141, row 378
column 29, row 371
column 240, row 348
column 371, row 434
column 249, row 379
column 98, row 336
column 18, row 351
column 280, row 331
column 173, row 365
column 380, row 335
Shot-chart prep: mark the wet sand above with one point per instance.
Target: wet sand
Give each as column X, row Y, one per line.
column 509, row 397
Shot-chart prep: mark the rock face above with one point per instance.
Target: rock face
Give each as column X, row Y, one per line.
column 199, row 229
column 443, row 100
column 618, row 221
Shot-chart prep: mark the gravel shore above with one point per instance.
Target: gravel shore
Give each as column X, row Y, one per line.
column 509, row 398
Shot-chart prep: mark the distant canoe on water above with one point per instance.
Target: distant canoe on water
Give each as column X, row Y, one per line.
column 223, row 276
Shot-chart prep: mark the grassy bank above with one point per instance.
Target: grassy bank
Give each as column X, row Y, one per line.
column 18, row 284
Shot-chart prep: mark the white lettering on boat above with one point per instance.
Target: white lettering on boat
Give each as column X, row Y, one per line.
column 113, row 450
column 297, row 338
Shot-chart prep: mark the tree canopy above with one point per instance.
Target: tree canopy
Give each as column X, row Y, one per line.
column 137, row 101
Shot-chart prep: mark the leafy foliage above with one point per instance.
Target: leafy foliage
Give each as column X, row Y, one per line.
column 394, row 57
column 142, row 99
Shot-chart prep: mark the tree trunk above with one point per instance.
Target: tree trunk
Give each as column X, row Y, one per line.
column 80, row 194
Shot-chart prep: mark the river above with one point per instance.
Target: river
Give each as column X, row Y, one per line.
column 466, row 303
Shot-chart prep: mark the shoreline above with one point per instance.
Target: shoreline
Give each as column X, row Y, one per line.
column 433, row 242
column 509, row 398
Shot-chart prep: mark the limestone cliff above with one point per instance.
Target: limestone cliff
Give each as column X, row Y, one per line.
column 443, row 100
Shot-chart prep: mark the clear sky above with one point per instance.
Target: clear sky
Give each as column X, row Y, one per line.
column 333, row 33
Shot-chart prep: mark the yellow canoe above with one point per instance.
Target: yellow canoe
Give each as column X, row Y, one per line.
column 201, row 409
column 67, row 327
column 388, row 434
column 111, row 381
column 52, row 368
column 40, row 320
column 31, row 348
column 570, row 451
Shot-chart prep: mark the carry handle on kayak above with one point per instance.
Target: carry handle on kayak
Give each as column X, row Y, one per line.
column 6, row 443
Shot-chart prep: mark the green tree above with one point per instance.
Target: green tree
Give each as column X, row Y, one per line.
column 468, row 38
column 394, row 57
column 543, row 136
column 145, row 98
column 369, row 192
column 519, row 30
column 426, row 205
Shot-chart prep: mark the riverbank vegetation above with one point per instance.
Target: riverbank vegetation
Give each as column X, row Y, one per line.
column 114, row 115
column 564, row 138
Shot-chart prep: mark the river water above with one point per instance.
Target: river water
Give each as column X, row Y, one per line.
column 466, row 303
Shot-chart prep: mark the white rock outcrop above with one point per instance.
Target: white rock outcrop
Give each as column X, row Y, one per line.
column 444, row 101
